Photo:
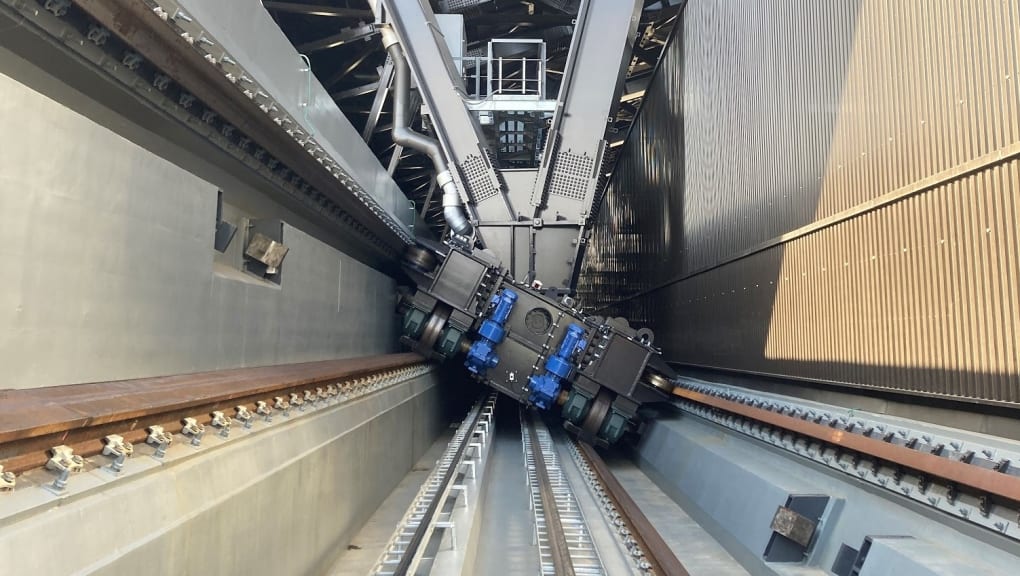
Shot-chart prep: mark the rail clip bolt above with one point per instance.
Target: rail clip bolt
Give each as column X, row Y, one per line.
column 283, row 405
column 242, row 414
column 219, row 420
column 114, row 445
column 264, row 409
column 160, row 439
column 7, row 480
column 64, row 461
column 194, row 429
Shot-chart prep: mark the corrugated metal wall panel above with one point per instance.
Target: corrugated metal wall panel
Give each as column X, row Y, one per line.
column 846, row 207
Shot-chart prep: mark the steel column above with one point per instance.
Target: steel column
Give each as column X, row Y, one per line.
column 571, row 165
column 442, row 90
column 381, row 92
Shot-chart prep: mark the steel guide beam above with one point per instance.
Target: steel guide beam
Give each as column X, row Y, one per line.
column 34, row 420
column 257, row 49
column 286, row 110
column 442, row 91
column 64, row 27
column 603, row 40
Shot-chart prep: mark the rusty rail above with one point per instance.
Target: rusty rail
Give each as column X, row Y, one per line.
column 984, row 480
column 80, row 415
column 657, row 552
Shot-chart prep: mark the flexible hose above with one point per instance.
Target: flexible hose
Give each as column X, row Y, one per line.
column 453, row 212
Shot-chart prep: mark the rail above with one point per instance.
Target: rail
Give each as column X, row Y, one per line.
column 560, row 528
column 405, row 549
column 81, row 416
column 659, row 556
column 908, row 459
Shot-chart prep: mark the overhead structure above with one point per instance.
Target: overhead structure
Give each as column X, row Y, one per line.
column 353, row 66
column 526, row 159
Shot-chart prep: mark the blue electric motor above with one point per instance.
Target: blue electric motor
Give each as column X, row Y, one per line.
column 482, row 354
column 546, row 387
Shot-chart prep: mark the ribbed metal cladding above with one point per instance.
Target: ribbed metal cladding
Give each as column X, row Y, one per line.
column 828, row 191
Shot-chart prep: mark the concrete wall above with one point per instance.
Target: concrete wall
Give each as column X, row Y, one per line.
column 110, row 271
column 284, row 498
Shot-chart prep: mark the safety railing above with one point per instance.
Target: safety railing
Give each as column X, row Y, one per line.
column 502, row 76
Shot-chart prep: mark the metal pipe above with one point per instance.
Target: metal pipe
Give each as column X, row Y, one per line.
column 453, row 212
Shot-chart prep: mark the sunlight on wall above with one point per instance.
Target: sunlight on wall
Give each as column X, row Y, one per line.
column 930, row 281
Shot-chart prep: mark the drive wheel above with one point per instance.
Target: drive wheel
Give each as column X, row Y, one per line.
column 596, row 414
column 420, row 258
column 434, row 327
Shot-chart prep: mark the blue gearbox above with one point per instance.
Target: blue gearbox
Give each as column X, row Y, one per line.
column 545, row 388
column 482, row 354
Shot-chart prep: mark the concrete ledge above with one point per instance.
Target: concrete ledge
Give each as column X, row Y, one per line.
column 285, row 500
column 731, row 485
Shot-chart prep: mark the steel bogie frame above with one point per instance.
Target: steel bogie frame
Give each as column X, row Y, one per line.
column 611, row 374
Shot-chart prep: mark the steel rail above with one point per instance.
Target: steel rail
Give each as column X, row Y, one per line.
column 409, row 557
column 657, row 552
column 984, row 480
column 80, row 415
column 562, row 564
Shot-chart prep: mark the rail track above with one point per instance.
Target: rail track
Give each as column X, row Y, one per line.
column 946, row 473
column 563, row 540
column 940, row 471
column 406, row 549
column 82, row 417
column 646, row 545
column 968, row 476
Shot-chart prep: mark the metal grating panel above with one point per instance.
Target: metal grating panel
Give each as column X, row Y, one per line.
column 457, row 6
column 571, row 174
column 475, row 171
column 846, row 209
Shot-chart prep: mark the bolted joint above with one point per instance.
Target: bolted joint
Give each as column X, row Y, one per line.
column 191, row 427
column 7, row 480
column 243, row 415
column 160, row 439
column 281, row 404
column 63, row 461
column 220, row 420
column 115, row 445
